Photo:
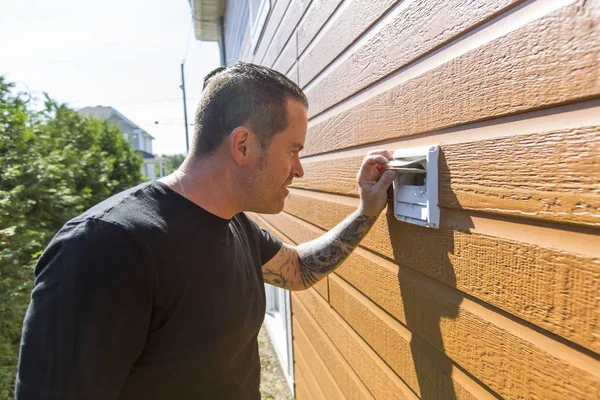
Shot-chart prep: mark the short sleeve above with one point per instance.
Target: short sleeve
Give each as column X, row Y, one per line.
column 89, row 315
column 267, row 244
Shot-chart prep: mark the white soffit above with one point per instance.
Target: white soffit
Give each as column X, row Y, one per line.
column 206, row 15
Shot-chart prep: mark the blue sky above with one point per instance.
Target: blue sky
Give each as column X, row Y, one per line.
column 125, row 54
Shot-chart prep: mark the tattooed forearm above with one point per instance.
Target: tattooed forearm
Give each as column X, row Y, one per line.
column 319, row 257
column 274, row 278
column 282, row 270
column 300, row 268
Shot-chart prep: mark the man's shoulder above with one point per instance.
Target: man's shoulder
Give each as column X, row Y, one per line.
column 132, row 215
column 129, row 210
column 246, row 224
column 117, row 224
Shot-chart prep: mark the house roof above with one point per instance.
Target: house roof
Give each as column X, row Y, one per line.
column 206, row 14
column 105, row 112
column 145, row 154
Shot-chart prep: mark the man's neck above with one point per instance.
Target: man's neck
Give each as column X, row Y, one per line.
column 208, row 184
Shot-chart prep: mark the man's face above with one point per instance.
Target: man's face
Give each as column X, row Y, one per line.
column 280, row 163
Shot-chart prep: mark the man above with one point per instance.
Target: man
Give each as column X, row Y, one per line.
column 157, row 292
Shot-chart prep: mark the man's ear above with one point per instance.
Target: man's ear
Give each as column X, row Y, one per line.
column 241, row 144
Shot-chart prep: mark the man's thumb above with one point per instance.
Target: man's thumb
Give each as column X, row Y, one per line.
column 386, row 180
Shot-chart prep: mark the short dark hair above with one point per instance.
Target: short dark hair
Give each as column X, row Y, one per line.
column 241, row 94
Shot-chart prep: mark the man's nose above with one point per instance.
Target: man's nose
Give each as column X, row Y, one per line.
column 297, row 170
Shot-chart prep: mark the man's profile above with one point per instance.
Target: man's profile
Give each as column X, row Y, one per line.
column 158, row 291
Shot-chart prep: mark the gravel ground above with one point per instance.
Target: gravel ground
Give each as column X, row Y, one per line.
column 273, row 385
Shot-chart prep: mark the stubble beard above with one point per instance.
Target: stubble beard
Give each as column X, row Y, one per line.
column 258, row 199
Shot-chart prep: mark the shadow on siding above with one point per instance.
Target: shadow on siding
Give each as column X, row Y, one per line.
column 422, row 310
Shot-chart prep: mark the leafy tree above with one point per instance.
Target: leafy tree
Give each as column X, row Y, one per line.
column 54, row 165
column 173, row 161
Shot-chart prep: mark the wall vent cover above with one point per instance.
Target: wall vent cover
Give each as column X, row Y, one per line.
column 416, row 186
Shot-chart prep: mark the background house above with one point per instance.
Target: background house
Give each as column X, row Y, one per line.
column 501, row 301
column 154, row 167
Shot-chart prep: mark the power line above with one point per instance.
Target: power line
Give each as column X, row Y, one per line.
column 170, row 100
column 187, row 46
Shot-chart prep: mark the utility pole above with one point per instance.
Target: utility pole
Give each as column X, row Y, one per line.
column 187, row 140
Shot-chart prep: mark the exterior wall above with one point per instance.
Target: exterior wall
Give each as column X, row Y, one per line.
column 236, row 27
column 501, row 301
column 125, row 127
column 147, row 140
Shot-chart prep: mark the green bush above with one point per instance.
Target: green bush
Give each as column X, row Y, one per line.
column 54, row 164
column 174, row 161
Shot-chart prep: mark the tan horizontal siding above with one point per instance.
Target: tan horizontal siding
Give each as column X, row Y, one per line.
column 553, row 289
column 382, row 382
column 406, row 34
column 483, row 342
column 341, row 379
column 293, row 73
column 502, row 357
column 547, row 62
column 269, row 30
column 564, row 117
column 379, row 378
column 502, row 300
column 318, row 361
column 314, row 19
column 305, row 383
column 350, row 20
column 427, row 372
column 551, row 176
column 288, row 24
column 288, row 55
column 246, row 48
column 301, row 391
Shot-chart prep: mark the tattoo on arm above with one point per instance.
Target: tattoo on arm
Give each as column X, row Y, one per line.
column 284, row 270
column 319, row 257
column 274, row 278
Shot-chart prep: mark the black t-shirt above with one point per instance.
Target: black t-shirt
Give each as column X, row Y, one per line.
column 147, row 296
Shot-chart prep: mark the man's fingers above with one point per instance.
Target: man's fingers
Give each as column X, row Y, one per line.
column 385, row 181
column 375, row 159
column 382, row 152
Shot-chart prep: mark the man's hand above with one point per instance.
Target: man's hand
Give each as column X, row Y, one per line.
column 372, row 184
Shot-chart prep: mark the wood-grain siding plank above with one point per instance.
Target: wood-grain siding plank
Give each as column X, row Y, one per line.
column 309, row 382
column 271, row 25
column 349, row 22
column 379, row 378
column 289, row 23
column 293, row 73
column 322, row 287
column 347, row 380
column 318, row 13
column 506, row 357
column 288, row 55
column 315, row 344
column 246, row 54
column 552, row 176
column 236, row 26
column 550, row 61
column 411, row 31
column 300, row 382
column 555, row 290
column 403, row 292
column 427, row 372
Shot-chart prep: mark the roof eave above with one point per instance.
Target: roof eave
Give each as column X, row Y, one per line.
column 206, row 14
